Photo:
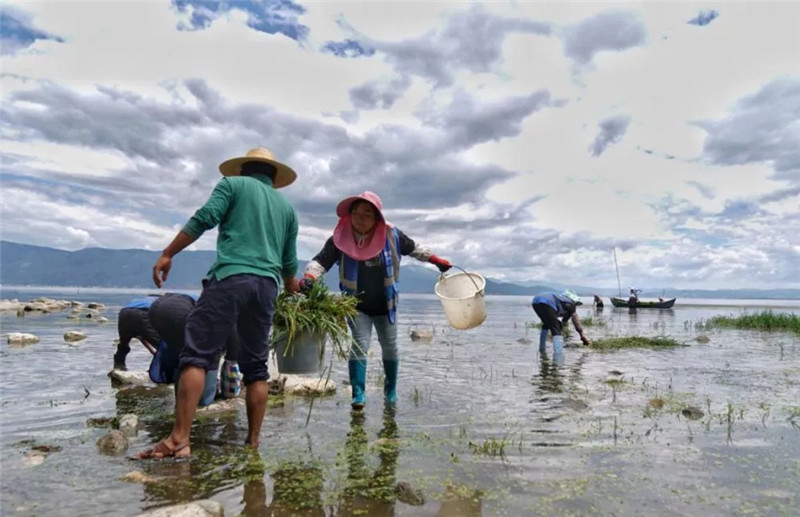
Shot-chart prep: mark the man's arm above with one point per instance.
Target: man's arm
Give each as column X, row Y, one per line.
column 207, row 217
column 289, row 257
column 164, row 262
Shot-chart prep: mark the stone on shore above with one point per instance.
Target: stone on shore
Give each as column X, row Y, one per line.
column 201, row 508
column 222, row 406
column 421, row 335
column 300, row 385
column 124, row 377
column 43, row 305
column 21, row 338
column 115, row 442
column 129, row 424
column 137, row 476
column 71, row 336
column 34, row 458
column 10, row 305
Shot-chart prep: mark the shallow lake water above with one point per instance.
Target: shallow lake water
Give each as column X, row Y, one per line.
column 484, row 426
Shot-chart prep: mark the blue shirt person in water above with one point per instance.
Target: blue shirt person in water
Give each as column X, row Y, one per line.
column 554, row 309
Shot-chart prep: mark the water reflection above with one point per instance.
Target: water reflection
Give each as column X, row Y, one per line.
column 551, row 378
column 208, row 471
column 461, row 501
column 367, row 491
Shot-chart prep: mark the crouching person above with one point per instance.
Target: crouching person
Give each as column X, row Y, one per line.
column 168, row 316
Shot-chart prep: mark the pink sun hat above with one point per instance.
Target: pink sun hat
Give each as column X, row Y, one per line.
column 344, row 237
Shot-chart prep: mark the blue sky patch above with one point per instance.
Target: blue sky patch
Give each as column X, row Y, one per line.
column 270, row 16
column 347, row 48
column 18, row 31
column 704, row 18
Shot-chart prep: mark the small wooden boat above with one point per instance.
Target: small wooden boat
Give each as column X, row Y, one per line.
column 623, row 302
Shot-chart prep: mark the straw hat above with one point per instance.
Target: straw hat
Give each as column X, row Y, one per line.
column 283, row 177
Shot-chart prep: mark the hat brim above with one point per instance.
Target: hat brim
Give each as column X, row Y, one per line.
column 344, row 239
column 284, row 175
column 343, row 208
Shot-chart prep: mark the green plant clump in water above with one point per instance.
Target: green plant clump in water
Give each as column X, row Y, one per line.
column 319, row 312
column 765, row 320
column 634, row 342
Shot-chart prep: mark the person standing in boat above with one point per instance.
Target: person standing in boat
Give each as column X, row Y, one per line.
column 368, row 250
column 554, row 309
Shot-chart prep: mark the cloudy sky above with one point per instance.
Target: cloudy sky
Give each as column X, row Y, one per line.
column 524, row 141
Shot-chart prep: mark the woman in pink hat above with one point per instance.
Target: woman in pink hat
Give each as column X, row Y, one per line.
column 368, row 250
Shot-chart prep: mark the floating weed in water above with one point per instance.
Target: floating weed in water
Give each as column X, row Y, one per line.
column 765, row 320
column 634, row 342
column 591, row 321
column 490, row 447
column 418, row 395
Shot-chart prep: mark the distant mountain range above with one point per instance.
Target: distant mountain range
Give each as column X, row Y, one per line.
column 26, row 265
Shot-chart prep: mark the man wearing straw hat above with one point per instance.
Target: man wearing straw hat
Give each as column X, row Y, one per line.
column 368, row 250
column 554, row 309
column 256, row 247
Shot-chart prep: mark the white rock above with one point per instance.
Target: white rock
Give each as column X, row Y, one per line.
column 421, row 335
column 10, row 305
column 101, row 319
column 130, row 378
column 34, row 458
column 137, row 476
column 201, row 508
column 129, row 424
column 71, row 336
column 299, row 385
column 114, row 442
column 20, row 338
column 222, row 406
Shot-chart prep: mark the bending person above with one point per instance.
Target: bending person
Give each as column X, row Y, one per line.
column 168, row 316
column 133, row 323
column 368, row 250
column 554, row 310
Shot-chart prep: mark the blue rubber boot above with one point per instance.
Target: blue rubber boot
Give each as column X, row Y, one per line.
column 358, row 381
column 390, row 381
column 543, row 340
column 558, row 350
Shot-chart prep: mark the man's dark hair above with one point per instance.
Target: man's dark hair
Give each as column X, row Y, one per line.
column 250, row 168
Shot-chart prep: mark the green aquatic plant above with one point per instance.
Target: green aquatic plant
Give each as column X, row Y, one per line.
column 490, row 447
column 319, row 312
column 591, row 321
column 634, row 342
column 765, row 320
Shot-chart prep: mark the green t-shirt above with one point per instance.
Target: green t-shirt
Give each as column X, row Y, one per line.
column 257, row 228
